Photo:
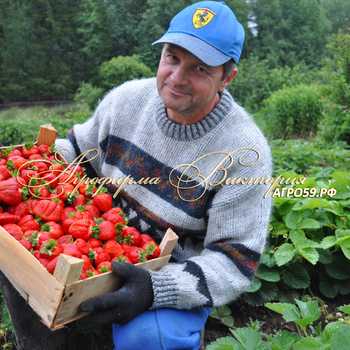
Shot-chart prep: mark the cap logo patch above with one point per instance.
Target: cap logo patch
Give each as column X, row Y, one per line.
column 202, row 17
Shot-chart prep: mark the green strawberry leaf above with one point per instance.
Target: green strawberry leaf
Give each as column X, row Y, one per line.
column 268, row 274
column 284, row 254
column 254, row 286
column 296, row 276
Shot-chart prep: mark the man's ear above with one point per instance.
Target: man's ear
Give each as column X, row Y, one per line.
column 228, row 79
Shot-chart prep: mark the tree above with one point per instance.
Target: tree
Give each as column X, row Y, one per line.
column 94, row 36
column 290, row 32
column 336, row 117
column 338, row 13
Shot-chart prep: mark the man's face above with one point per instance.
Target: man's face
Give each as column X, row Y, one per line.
column 187, row 86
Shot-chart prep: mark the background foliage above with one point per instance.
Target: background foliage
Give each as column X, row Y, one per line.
column 49, row 47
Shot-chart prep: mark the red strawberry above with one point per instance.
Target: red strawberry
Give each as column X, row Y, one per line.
column 10, row 192
column 144, row 239
column 48, row 210
column 127, row 247
column 67, row 211
column 99, row 255
column 93, row 210
column 26, row 244
column 50, row 249
column 113, row 248
column 44, row 262
column 87, row 189
column 72, row 250
column 28, row 222
column 4, row 173
column 7, row 218
column 104, row 266
column 83, row 246
column 152, row 249
column 29, row 149
column 95, row 242
column 103, row 201
column 77, row 200
column 104, row 231
column 81, row 229
column 19, row 209
column 122, row 258
column 56, row 169
column 51, row 266
column 66, row 224
column 28, row 175
column 130, row 235
column 14, row 230
column 137, row 254
column 40, row 167
column 15, row 152
column 44, row 149
column 64, row 240
column 42, row 238
column 35, row 157
column 113, row 217
column 82, row 213
column 54, row 229
column 87, row 263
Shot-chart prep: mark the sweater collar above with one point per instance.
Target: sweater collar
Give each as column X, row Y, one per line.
column 197, row 130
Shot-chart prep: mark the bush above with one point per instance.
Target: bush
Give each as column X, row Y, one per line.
column 89, row 94
column 335, row 124
column 293, row 111
column 256, row 81
column 120, row 69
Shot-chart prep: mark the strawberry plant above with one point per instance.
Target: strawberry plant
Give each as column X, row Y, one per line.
column 309, row 243
column 335, row 335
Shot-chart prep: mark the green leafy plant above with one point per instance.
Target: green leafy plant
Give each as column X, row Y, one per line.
column 121, row 69
column 309, row 241
column 334, row 336
column 293, row 111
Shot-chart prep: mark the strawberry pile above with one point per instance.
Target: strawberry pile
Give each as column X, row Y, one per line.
column 48, row 210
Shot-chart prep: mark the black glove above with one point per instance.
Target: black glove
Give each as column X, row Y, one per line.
column 121, row 306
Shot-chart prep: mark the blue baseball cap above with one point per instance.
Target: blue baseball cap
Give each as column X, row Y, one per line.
column 209, row 30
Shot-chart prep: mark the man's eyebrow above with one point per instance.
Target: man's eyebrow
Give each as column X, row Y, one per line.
column 169, row 48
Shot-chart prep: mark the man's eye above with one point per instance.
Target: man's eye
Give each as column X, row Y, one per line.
column 200, row 69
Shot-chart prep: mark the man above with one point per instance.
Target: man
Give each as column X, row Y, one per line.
column 185, row 129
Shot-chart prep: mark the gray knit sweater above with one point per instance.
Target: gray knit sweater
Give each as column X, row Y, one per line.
column 222, row 225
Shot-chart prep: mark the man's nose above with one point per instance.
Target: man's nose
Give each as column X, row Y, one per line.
column 180, row 75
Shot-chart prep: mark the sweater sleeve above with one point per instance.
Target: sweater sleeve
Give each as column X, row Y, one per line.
column 236, row 234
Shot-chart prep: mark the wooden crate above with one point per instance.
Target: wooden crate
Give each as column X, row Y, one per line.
column 56, row 298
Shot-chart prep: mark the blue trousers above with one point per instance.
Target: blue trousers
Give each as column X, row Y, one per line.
column 162, row 329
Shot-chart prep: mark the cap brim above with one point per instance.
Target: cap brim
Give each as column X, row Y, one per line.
column 205, row 52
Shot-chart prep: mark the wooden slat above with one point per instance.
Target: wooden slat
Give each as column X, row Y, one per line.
column 168, row 242
column 47, row 135
column 78, row 292
column 41, row 290
column 68, row 269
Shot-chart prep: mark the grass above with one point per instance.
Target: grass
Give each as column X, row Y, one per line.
column 19, row 125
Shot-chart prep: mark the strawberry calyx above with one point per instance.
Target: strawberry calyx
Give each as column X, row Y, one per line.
column 48, row 247
column 142, row 255
column 95, row 230
column 119, row 226
column 150, row 248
